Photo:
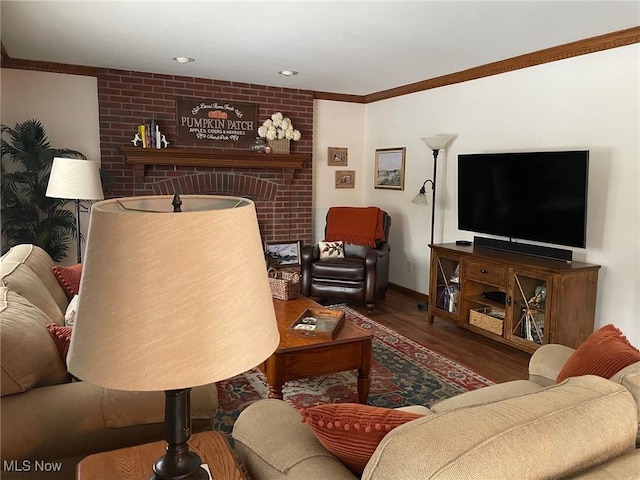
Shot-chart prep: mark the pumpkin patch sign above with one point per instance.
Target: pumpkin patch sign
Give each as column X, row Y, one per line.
column 214, row 121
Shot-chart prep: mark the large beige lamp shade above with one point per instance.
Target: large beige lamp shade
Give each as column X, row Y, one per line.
column 172, row 300
column 174, row 294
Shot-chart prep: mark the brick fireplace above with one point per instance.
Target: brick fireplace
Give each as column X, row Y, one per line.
column 283, row 195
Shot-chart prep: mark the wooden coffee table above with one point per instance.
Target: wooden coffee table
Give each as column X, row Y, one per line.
column 302, row 357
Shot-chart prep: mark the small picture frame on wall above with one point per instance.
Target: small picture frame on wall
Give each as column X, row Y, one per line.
column 282, row 253
column 337, row 157
column 389, row 168
column 345, row 178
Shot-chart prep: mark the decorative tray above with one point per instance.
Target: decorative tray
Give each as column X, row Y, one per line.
column 317, row 323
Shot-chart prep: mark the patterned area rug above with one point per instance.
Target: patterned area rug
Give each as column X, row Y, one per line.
column 403, row 373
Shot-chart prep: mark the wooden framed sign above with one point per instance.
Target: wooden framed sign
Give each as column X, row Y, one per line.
column 207, row 121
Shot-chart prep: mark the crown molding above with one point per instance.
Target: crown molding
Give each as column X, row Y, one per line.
column 599, row 43
column 36, row 65
column 607, row 41
column 581, row 47
column 339, row 97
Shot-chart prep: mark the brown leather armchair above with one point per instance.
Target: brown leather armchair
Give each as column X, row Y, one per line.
column 363, row 273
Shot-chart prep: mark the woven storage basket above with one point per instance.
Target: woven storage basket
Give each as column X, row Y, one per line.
column 284, row 285
column 481, row 318
column 279, row 145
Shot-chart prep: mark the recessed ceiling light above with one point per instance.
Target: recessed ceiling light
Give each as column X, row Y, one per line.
column 184, row 59
column 288, row 73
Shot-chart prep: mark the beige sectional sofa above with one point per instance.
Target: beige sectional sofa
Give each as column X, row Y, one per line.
column 585, row 427
column 45, row 416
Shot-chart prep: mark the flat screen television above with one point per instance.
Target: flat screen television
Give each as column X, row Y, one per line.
column 539, row 196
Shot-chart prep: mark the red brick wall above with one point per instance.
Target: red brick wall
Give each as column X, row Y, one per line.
column 127, row 99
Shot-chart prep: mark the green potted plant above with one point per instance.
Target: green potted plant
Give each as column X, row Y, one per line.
column 28, row 215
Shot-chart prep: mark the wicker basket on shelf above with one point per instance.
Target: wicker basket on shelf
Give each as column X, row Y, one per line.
column 284, row 285
column 488, row 319
column 279, row 145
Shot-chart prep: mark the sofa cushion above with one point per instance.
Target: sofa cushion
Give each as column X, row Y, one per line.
column 64, row 421
column 604, row 353
column 20, row 279
column 629, row 378
column 145, row 408
column 420, row 409
column 547, row 361
column 552, row 433
column 272, row 442
column 40, row 263
column 68, row 278
column 343, row 269
column 28, row 355
column 494, row 393
column 352, row 431
column 624, row 467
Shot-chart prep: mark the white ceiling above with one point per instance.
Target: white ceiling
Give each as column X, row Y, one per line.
column 351, row 47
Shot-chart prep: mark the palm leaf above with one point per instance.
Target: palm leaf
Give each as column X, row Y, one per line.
column 28, row 215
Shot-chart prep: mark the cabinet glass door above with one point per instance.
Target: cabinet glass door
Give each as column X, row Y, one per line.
column 447, row 284
column 529, row 308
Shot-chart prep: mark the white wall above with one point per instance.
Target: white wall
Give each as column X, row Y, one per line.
column 342, row 126
column 591, row 101
column 67, row 107
column 588, row 102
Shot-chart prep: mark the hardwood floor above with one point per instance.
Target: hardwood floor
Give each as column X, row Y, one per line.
column 498, row 362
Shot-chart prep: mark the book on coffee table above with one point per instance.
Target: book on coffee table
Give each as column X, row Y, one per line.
column 317, row 323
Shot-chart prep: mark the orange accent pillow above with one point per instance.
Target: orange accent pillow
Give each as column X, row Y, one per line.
column 62, row 338
column 68, row 278
column 604, row 353
column 352, row 431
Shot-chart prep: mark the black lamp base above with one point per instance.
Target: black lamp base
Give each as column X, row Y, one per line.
column 187, row 468
column 178, row 463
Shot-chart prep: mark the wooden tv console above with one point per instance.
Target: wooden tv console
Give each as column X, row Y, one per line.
column 518, row 300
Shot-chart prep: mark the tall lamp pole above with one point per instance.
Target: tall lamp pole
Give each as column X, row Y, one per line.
column 437, row 143
column 75, row 179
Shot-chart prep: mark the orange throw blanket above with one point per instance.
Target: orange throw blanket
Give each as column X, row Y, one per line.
column 358, row 225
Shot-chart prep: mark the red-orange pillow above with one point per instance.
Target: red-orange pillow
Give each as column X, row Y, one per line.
column 68, row 278
column 62, row 338
column 352, row 431
column 604, row 353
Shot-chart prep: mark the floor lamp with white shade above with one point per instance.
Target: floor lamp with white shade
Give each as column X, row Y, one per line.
column 436, row 143
column 75, row 179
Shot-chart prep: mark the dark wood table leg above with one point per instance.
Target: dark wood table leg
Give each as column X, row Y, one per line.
column 274, row 367
column 364, row 381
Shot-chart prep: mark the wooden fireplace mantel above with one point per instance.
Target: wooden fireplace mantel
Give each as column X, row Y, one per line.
column 203, row 157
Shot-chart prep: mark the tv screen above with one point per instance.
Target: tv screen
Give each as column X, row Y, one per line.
column 539, row 196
